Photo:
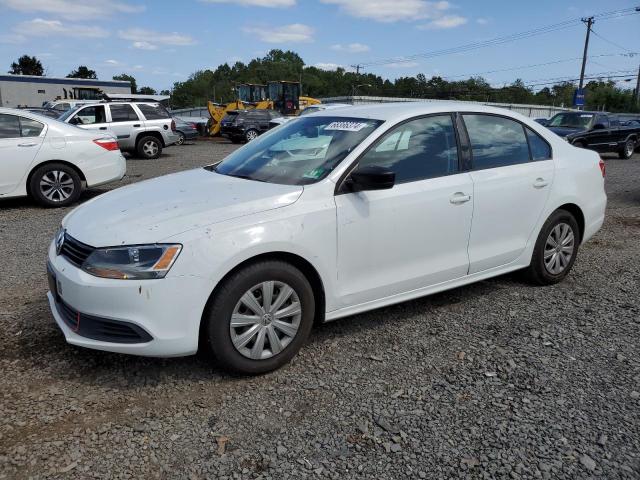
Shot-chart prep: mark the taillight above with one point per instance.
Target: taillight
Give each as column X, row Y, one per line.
column 173, row 125
column 107, row 143
column 194, row 126
column 603, row 168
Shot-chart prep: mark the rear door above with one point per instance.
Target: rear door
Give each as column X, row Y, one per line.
column 512, row 172
column 93, row 117
column 20, row 140
column 125, row 124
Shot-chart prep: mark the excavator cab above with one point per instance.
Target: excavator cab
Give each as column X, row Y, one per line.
column 252, row 93
column 285, row 97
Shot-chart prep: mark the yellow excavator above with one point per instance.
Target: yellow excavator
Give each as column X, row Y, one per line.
column 282, row 96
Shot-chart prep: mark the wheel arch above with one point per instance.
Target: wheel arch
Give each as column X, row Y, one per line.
column 577, row 213
column 48, row 162
column 150, row 133
column 309, row 271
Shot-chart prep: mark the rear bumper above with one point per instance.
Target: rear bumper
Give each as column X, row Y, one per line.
column 189, row 134
column 105, row 169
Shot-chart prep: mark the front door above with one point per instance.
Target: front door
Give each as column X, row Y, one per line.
column 512, row 172
column 20, row 140
column 415, row 234
column 90, row 118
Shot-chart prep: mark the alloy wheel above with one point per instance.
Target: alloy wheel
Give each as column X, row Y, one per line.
column 559, row 248
column 252, row 135
column 180, row 139
column 629, row 147
column 265, row 320
column 150, row 148
column 56, row 185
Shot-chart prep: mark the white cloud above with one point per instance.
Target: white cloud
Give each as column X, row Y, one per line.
column 391, row 10
column 144, row 46
column 72, row 9
column 328, row 66
column 482, row 21
column 149, row 40
column 446, row 21
column 12, row 38
column 294, row 33
column 113, row 63
column 351, row 48
column 39, row 27
column 257, row 3
column 408, row 64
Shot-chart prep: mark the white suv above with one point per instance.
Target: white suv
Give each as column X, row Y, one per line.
column 144, row 128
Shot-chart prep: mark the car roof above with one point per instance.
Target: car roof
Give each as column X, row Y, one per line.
column 401, row 110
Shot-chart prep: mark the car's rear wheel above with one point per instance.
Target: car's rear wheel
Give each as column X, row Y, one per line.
column 55, row 185
column 149, row 148
column 259, row 318
column 555, row 250
column 181, row 139
column 627, row 149
column 251, row 134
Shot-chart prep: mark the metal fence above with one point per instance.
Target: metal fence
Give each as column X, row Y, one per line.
column 533, row 111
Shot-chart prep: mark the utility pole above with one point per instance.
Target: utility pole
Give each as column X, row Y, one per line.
column 589, row 21
column 357, row 67
column 638, row 88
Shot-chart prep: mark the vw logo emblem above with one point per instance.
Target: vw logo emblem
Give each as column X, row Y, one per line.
column 59, row 240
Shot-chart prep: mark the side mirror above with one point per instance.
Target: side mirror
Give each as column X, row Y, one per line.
column 599, row 126
column 372, row 178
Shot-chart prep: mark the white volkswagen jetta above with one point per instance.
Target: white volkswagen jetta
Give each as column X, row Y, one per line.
column 331, row 215
column 53, row 161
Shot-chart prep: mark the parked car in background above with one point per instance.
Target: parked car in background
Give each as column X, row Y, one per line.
column 246, row 125
column 597, row 131
column 308, row 111
column 142, row 128
column 63, row 105
column 331, row 215
column 51, row 161
column 185, row 131
column 542, row 121
column 47, row 112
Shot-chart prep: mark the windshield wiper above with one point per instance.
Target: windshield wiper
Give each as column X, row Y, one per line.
column 244, row 177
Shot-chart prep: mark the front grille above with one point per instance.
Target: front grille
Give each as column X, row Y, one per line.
column 102, row 329
column 74, row 251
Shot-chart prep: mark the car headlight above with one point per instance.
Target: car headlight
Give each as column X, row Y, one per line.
column 136, row 262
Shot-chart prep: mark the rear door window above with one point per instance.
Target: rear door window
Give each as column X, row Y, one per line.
column 496, row 141
column 30, row 128
column 540, row 149
column 9, row 126
column 123, row 113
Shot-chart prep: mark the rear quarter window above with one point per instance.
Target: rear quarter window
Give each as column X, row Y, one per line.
column 153, row 112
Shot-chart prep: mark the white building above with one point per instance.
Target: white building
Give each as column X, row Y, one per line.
column 34, row 91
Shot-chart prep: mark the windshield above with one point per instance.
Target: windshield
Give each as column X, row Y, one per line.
column 300, row 152
column 69, row 112
column 572, row 120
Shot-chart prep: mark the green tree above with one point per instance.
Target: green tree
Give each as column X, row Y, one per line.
column 130, row 79
column 27, row 65
column 147, row 91
column 82, row 72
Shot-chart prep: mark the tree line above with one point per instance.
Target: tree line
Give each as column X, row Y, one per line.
column 220, row 85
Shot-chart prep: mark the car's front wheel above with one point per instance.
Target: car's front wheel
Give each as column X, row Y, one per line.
column 627, row 149
column 251, row 134
column 555, row 250
column 259, row 318
column 55, row 185
column 181, row 139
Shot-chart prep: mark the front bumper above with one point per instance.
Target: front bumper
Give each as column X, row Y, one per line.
column 168, row 310
column 189, row 134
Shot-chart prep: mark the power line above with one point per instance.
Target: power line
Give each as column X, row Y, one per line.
column 610, row 42
column 500, row 40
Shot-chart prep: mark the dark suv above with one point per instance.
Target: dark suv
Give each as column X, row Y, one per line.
column 245, row 125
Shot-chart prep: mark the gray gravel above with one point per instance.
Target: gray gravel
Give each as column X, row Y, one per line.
column 497, row 379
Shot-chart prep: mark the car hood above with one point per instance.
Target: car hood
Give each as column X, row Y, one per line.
column 153, row 210
column 565, row 131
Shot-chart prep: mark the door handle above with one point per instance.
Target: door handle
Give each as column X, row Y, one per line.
column 136, row 124
column 540, row 183
column 459, row 197
column 27, row 144
column 103, row 128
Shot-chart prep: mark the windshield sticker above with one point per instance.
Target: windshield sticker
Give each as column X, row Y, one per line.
column 346, row 126
column 315, row 173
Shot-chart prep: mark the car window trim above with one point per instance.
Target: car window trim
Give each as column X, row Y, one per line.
column 17, row 117
column 338, row 190
column 522, row 124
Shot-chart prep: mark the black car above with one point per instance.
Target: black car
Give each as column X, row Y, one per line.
column 597, row 131
column 245, row 125
column 185, row 130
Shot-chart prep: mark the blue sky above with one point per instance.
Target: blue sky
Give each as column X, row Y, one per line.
column 160, row 41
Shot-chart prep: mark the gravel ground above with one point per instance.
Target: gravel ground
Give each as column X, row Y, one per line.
column 497, row 379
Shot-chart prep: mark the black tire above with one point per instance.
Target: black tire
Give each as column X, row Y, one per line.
column 537, row 272
column 216, row 331
column 251, row 134
column 627, row 150
column 66, row 185
column 181, row 139
column 149, row 147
